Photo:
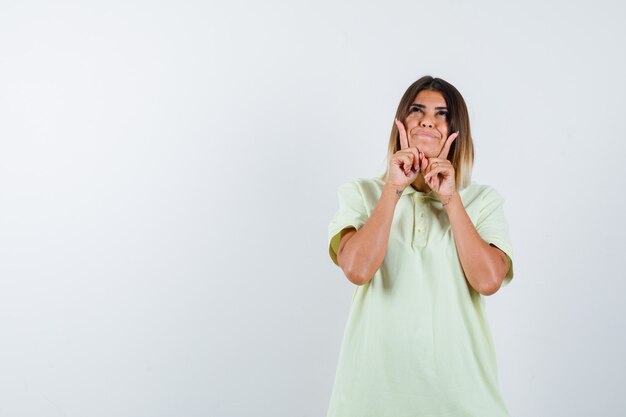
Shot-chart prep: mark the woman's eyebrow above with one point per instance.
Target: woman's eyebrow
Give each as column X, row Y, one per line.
column 421, row 106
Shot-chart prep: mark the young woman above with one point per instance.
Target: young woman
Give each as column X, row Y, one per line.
column 424, row 245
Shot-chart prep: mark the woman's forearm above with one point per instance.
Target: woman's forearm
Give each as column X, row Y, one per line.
column 364, row 252
column 484, row 266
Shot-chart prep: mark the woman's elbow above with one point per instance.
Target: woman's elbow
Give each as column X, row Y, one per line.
column 489, row 289
column 353, row 271
column 356, row 276
column 355, row 266
column 490, row 286
column 493, row 277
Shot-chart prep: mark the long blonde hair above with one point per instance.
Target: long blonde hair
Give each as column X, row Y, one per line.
column 462, row 149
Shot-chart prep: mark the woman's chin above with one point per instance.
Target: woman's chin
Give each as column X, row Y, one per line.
column 428, row 148
column 430, row 153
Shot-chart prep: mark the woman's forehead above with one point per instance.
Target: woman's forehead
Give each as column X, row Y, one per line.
column 430, row 98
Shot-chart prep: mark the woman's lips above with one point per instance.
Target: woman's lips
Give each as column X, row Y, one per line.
column 426, row 134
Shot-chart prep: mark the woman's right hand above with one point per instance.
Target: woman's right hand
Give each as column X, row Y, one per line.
column 404, row 165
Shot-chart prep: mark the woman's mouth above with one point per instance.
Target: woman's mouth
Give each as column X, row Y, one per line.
column 426, row 134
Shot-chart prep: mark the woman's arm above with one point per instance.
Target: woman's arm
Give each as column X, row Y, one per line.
column 485, row 266
column 361, row 252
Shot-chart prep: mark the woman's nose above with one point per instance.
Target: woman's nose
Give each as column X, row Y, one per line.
column 426, row 122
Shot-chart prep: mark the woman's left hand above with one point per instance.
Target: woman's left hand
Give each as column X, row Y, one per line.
column 440, row 174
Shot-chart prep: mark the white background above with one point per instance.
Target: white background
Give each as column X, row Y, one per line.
column 169, row 170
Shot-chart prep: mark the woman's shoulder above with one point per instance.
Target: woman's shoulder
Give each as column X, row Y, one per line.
column 369, row 188
column 478, row 192
column 370, row 184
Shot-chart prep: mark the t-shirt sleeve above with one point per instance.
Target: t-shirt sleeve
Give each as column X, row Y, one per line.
column 493, row 227
column 351, row 213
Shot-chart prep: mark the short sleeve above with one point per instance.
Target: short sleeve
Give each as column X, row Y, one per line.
column 351, row 213
column 493, row 227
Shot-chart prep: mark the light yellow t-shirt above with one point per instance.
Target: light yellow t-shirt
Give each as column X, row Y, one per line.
column 417, row 342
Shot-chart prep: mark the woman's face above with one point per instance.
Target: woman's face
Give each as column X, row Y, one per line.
column 427, row 123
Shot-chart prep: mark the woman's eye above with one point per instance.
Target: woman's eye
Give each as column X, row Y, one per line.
column 413, row 108
column 444, row 114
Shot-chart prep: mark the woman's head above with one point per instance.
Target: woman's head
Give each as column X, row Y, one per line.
column 431, row 109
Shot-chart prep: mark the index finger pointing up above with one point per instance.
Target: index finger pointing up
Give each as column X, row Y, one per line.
column 446, row 147
column 404, row 142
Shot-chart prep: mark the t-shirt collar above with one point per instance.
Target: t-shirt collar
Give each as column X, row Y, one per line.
column 410, row 190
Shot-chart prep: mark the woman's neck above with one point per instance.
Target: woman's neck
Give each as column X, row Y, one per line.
column 420, row 184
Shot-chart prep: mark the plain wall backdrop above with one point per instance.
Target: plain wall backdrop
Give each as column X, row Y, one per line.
column 169, row 170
